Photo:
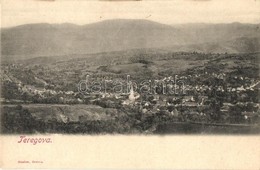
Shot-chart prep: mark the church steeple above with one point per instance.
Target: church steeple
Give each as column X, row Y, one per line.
column 132, row 94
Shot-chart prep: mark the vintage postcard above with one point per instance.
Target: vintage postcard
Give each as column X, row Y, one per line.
column 120, row 84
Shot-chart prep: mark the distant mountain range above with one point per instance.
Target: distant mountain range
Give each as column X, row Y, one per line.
column 35, row 40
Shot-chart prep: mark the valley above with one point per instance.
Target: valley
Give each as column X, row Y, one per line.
column 219, row 88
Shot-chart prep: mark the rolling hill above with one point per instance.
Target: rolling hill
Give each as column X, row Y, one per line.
column 33, row 40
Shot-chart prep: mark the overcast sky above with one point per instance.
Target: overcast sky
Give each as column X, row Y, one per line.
column 18, row 12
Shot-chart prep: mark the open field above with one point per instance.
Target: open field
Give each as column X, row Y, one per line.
column 91, row 119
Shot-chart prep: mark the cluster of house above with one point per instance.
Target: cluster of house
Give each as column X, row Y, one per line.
column 189, row 103
column 169, row 104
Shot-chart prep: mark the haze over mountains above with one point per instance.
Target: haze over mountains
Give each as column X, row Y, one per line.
column 35, row 40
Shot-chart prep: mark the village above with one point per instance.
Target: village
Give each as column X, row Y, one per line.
column 190, row 98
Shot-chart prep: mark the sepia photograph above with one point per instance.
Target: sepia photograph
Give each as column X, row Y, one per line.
column 130, row 84
column 94, row 69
